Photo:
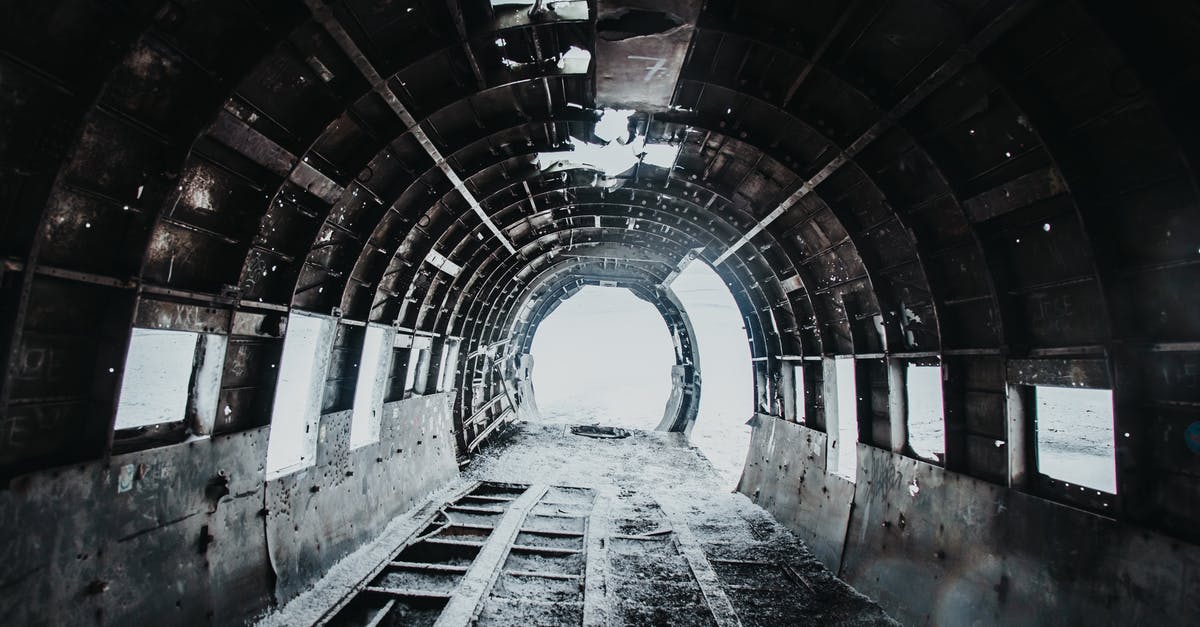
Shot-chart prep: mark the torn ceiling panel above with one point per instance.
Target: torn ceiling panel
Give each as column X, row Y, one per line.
column 640, row 49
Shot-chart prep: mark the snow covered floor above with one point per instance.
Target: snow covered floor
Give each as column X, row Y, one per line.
column 768, row 576
column 674, row 546
column 604, row 356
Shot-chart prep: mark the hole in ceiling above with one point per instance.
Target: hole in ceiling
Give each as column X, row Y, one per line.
column 622, row 149
column 635, row 23
column 575, row 60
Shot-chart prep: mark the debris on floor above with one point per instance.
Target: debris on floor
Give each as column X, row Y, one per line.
column 597, row 431
column 549, row 529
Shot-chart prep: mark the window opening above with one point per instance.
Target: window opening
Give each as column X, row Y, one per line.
column 798, row 386
column 847, row 418
column 1075, row 436
column 157, row 378
column 368, row 397
column 926, row 422
column 603, row 356
column 293, row 440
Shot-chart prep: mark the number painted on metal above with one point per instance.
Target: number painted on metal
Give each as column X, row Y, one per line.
column 659, row 64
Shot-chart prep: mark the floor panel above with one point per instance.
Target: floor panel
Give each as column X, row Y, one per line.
column 552, row 528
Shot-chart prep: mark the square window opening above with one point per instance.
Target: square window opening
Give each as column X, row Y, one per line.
column 847, row 419
column 1074, row 436
column 368, row 400
column 926, row 413
column 157, row 379
column 293, row 439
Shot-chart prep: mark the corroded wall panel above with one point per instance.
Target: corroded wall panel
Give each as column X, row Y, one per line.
column 320, row 514
column 785, row 474
column 939, row 548
column 175, row 534
column 170, row 534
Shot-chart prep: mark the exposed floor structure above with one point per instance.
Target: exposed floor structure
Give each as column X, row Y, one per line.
column 547, row 527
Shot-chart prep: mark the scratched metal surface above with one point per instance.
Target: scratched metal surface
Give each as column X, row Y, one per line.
column 99, row 540
column 785, row 475
column 318, row 515
column 942, row 549
column 966, row 181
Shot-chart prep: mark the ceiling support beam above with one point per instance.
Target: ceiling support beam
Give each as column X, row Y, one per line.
column 326, row 19
column 957, row 61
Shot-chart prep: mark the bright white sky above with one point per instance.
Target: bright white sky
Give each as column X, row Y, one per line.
column 605, row 356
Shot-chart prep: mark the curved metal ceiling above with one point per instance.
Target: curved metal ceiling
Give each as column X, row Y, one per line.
column 945, row 178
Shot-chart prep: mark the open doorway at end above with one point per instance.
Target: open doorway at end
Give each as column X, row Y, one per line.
column 603, row 356
column 726, row 372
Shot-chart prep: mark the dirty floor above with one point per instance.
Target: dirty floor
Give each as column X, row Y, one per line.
column 547, row 527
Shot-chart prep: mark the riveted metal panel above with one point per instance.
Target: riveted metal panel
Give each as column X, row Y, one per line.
column 318, row 515
column 942, row 549
column 169, row 532
column 785, row 474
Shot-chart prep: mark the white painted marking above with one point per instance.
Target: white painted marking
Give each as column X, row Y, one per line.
column 660, row 64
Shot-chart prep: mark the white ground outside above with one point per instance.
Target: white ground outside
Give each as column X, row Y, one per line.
column 727, row 385
column 1075, row 436
column 604, row 356
column 926, row 429
column 158, row 370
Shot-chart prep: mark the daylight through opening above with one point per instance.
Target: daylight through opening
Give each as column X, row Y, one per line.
column 1075, row 439
column 603, row 356
column 727, row 378
column 846, row 458
column 296, row 412
column 926, row 426
column 158, row 371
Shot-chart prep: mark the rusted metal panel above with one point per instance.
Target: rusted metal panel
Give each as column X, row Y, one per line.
column 1074, row 373
column 641, row 45
column 248, row 382
column 785, row 474
column 970, row 324
column 874, row 403
column 316, row 183
column 1020, row 192
column 64, row 377
column 258, row 324
column 232, row 131
column 318, row 515
column 987, row 458
column 175, row 316
column 180, row 256
column 99, row 236
column 1151, row 303
column 169, row 532
column 984, row 412
column 942, row 549
column 342, row 373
